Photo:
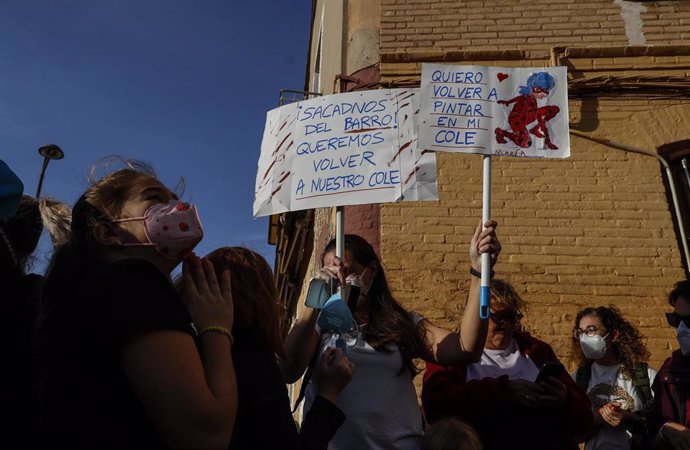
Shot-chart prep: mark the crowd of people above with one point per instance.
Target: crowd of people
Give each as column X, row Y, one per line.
column 105, row 350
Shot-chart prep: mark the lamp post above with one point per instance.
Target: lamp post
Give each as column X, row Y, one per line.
column 50, row 151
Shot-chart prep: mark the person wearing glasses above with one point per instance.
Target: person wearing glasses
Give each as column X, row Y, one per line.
column 613, row 371
column 518, row 395
column 668, row 420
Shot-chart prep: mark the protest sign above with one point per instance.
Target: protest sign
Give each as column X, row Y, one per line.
column 343, row 149
column 495, row 110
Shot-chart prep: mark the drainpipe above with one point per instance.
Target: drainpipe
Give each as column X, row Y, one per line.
column 669, row 174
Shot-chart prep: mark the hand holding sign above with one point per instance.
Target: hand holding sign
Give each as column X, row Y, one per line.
column 494, row 111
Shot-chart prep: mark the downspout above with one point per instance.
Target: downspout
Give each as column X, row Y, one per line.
column 669, row 174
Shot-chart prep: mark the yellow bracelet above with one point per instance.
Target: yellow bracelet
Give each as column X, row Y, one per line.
column 217, row 329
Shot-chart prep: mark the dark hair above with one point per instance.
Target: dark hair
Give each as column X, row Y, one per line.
column 629, row 348
column 23, row 230
column 451, row 434
column 75, row 258
column 9, row 263
column 254, row 294
column 387, row 321
column 681, row 289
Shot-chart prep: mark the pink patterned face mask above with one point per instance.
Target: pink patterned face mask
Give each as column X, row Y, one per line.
column 172, row 228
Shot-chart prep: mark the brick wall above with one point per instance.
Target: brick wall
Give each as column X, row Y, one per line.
column 365, row 220
column 595, row 229
column 415, row 25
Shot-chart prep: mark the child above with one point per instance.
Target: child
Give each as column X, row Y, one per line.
column 125, row 367
column 264, row 420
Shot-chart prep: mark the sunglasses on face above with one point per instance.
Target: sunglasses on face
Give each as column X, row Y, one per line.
column 508, row 315
column 674, row 319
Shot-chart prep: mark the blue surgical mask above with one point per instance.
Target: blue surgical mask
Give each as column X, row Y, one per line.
column 335, row 316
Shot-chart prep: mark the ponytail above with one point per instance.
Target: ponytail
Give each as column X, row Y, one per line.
column 78, row 253
column 57, row 219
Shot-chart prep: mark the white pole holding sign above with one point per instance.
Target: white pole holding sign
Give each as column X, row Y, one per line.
column 499, row 111
column 340, row 232
column 485, row 290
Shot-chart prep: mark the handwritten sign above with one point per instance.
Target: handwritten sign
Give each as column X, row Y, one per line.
column 343, row 149
column 495, row 110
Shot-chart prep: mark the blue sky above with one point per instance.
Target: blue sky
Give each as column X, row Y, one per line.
column 183, row 85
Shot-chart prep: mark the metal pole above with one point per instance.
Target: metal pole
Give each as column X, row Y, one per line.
column 50, row 151
column 40, row 179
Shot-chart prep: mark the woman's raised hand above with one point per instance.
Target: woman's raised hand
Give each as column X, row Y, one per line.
column 208, row 301
column 335, row 272
column 484, row 241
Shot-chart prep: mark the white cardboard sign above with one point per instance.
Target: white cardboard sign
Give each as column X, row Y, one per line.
column 343, row 149
column 495, row 110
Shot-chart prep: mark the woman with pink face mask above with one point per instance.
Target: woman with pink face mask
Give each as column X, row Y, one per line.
column 130, row 362
column 613, row 370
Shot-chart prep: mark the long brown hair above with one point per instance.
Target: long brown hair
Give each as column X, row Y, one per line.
column 629, row 348
column 76, row 257
column 387, row 322
column 254, row 294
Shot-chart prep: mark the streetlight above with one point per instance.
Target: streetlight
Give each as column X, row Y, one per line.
column 50, row 151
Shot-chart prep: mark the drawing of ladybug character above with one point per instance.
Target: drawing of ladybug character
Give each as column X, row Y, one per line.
column 526, row 111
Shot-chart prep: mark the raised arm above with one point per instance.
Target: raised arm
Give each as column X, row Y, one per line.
column 300, row 345
column 303, row 340
column 190, row 398
column 447, row 347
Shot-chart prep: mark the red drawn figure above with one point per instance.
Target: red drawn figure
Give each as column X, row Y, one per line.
column 526, row 112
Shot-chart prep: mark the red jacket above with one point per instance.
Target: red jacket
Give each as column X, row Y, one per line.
column 487, row 405
column 671, row 389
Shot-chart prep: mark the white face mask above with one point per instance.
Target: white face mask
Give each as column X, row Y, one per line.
column 594, row 347
column 683, row 336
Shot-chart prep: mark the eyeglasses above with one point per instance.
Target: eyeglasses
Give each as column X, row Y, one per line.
column 589, row 331
column 509, row 315
column 674, row 319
